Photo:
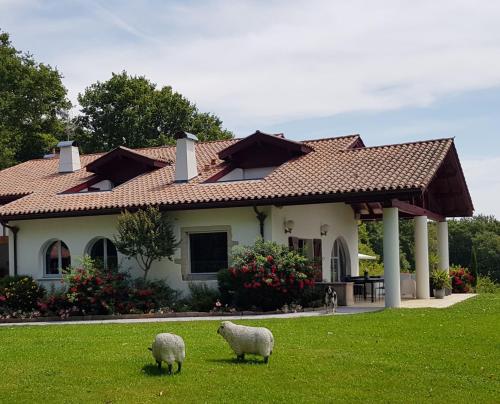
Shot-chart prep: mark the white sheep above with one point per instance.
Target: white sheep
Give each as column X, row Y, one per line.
column 247, row 340
column 168, row 348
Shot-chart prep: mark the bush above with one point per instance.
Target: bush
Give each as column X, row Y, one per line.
column 201, row 298
column 461, row 280
column 313, row 297
column 57, row 304
column 97, row 291
column 266, row 275
column 485, row 284
column 20, row 293
column 152, row 295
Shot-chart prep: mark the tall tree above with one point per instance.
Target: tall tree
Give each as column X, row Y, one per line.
column 33, row 104
column 131, row 111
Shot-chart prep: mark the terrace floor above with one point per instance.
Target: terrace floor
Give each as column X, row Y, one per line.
column 432, row 303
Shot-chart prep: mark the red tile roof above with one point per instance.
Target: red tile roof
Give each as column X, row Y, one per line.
column 337, row 167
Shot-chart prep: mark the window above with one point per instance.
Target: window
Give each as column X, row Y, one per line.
column 57, row 258
column 311, row 249
column 103, row 251
column 208, row 252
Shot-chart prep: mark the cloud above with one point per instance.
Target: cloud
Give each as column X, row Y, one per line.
column 259, row 63
column 484, row 184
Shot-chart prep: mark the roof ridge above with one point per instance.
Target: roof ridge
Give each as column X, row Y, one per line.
column 404, row 144
column 332, row 138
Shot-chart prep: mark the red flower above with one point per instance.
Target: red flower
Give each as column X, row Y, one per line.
column 99, row 281
column 73, row 290
column 2, row 298
column 270, row 258
column 301, row 284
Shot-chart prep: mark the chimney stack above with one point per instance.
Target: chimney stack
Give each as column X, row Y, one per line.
column 69, row 157
column 185, row 157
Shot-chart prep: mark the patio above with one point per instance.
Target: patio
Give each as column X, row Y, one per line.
column 430, row 303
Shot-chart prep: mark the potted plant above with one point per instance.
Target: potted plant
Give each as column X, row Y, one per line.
column 440, row 281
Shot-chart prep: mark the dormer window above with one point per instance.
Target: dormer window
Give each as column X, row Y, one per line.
column 240, row 174
column 116, row 167
column 257, row 156
column 122, row 164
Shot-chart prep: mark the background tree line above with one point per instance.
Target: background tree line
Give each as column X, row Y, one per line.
column 472, row 241
column 124, row 110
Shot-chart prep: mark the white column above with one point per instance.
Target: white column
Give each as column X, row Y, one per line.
column 422, row 257
column 443, row 251
column 391, row 257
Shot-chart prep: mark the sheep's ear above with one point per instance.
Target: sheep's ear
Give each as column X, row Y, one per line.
column 150, row 349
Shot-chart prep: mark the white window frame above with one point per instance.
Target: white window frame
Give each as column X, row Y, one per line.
column 105, row 249
column 186, row 251
column 48, row 245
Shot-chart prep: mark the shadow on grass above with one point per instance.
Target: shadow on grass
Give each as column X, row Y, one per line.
column 251, row 361
column 152, row 370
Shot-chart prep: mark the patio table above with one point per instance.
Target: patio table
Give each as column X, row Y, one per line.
column 361, row 280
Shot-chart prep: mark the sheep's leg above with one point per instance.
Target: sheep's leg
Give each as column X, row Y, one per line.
column 159, row 365
column 241, row 357
column 266, row 359
column 179, row 367
column 169, row 368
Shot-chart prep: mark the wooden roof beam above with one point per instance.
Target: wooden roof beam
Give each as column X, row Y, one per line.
column 414, row 210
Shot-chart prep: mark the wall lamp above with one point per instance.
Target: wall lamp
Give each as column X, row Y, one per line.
column 324, row 229
column 288, row 226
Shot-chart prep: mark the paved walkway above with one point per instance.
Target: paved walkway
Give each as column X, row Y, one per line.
column 361, row 307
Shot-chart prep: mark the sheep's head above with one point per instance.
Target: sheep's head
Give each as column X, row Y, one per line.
column 223, row 326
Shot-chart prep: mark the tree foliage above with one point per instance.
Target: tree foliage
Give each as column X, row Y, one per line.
column 131, row 111
column 33, row 105
column 146, row 235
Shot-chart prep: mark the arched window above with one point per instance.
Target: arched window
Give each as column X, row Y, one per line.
column 103, row 251
column 57, row 258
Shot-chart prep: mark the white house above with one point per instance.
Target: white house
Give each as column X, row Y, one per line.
column 223, row 193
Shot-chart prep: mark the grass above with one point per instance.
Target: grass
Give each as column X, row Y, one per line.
column 436, row 355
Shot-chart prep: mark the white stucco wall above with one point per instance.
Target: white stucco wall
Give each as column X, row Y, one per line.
column 77, row 233
column 307, row 222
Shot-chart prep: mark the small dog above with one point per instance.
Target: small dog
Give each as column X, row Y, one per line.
column 330, row 300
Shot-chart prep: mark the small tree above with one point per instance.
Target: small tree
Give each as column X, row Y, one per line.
column 147, row 235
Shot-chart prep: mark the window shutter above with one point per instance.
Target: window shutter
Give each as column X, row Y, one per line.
column 293, row 243
column 318, row 259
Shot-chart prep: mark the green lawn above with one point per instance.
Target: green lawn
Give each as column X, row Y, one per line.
column 440, row 355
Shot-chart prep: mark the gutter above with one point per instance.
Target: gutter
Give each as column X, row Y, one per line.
column 14, row 230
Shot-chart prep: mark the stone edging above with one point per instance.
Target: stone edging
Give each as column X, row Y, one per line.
column 200, row 314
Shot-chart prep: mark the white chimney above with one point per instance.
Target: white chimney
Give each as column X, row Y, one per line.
column 185, row 157
column 69, row 157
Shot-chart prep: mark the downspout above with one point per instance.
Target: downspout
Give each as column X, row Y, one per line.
column 261, row 217
column 14, row 230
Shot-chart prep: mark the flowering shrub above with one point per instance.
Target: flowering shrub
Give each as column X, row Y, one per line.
column 146, row 296
column 96, row 291
column 461, row 280
column 59, row 305
column 20, row 294
column 266, row 275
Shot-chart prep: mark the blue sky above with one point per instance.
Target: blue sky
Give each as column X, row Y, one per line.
column 391, row 70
